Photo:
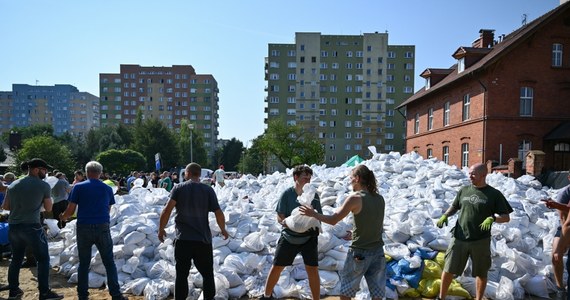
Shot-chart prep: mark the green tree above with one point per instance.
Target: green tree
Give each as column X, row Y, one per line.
column 151, row 137
column 291, row 144
column 254, row 158
column 231, row 154
column 121, row 161
column 28, row 132
column 76, row 144
column 48, row 149
column 199, row 154
column 106, row 138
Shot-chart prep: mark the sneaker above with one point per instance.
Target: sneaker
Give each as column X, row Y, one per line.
column 266, row 298
column 15, row 294
column 50, row 295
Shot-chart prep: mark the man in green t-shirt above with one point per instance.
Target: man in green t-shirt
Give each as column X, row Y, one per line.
column 481, row 205
column 165, row 181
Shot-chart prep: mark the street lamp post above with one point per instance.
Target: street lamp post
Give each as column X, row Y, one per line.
column 191, row 127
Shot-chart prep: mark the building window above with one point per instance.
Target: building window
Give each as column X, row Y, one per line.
column 562, row 147
column 524, row 147
column 526, row 100
column 429, row 153
column 445, row 152
column 417, row 124
column 430, row 119
column 464, row 155
column 557, row 55
column 461, row 65
column 446, row 113
column 466, row 105
column 408, row 66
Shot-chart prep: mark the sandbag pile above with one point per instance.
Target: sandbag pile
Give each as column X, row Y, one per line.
column 416, row 190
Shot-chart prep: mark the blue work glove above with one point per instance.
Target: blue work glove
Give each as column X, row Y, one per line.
column 442, row 220
column 486, row 225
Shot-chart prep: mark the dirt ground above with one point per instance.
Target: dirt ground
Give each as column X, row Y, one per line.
column 58, row 283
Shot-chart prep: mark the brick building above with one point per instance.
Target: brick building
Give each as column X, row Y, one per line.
column 506, row 95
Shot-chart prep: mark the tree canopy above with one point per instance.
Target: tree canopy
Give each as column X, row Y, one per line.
column 121, row 162
column 291, row 144
column 48, row 149
column 151, row 137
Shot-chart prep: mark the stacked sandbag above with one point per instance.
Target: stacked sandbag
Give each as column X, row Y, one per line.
column 416, row 190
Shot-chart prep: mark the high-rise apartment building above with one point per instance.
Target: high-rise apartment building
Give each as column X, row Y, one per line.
column 342, row 88
column 169, row 94
column 62, row 105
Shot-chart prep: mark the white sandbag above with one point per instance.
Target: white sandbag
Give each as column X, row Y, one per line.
column 233, row 278
column 336, row 254
column 56, row 248
column 396, row 250
column 536, row 285
column 237, row 292
column 253, row 242
column 222, row 287
column 221, row 253
column 96, row 280
column 134, row 237
column 53, row 229
column 299, row 273
column 300, row 223
column 157, row 290
column 136, row 286
column 131, row 265
column 234, row 262
column 161, row 269
column 506, row 289
column 146, row 251
column 331, row 264
column 328, row 278
column 219, row 241
column 439, row 244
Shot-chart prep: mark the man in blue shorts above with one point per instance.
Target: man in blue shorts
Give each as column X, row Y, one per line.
column 291, row 243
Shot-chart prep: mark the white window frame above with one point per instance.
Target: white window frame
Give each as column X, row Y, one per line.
column 557, row 54
column 526, row 101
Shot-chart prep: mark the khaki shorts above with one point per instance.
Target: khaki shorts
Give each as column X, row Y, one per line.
column 459, row 251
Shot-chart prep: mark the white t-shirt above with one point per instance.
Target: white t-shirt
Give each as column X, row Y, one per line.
column 219, row 175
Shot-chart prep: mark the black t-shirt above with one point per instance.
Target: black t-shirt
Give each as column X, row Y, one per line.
column 194, row 201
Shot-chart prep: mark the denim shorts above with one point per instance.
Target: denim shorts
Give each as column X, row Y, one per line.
column 370, row 264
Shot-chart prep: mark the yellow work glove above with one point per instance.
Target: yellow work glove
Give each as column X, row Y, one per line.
column 442, row 220
column 486, row 225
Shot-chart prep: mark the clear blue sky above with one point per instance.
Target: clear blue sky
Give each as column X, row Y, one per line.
column 71, row 42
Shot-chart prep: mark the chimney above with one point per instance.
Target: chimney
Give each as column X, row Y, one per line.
column 485, row 39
